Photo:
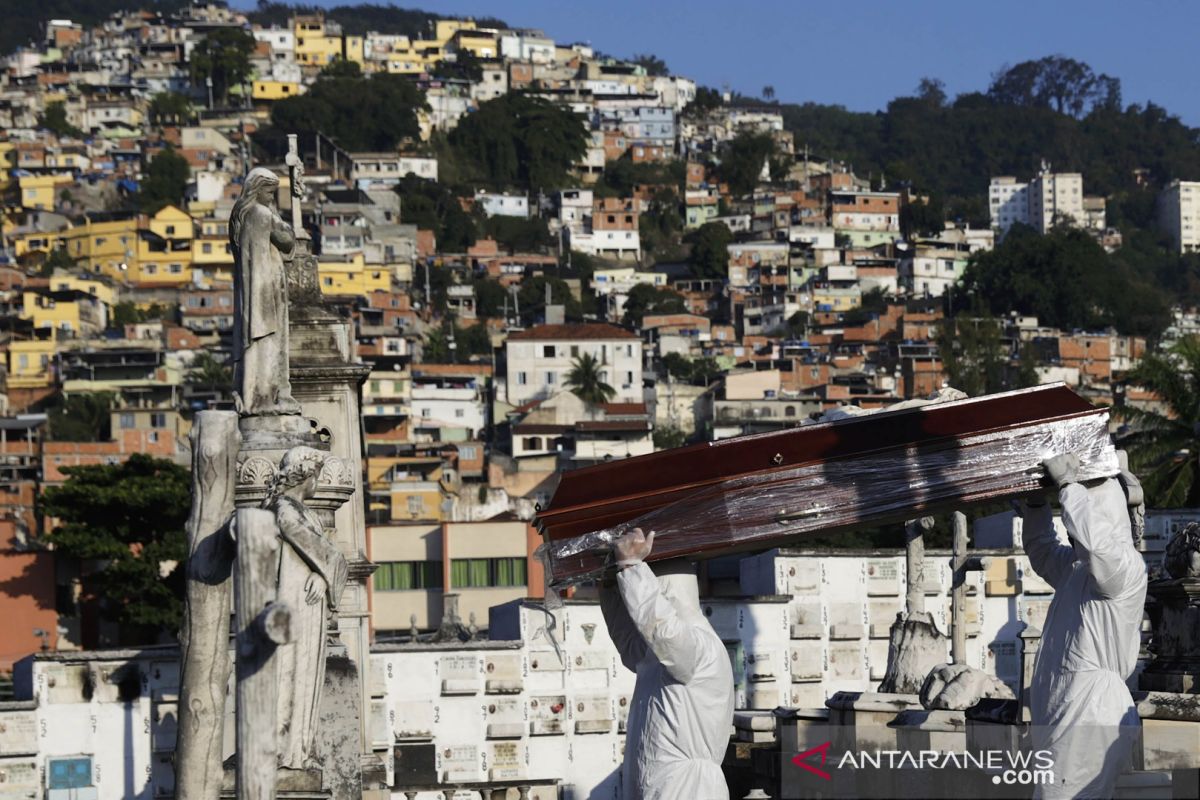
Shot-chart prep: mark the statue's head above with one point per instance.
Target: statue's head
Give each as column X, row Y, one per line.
column 259, row 189
column 297, row 474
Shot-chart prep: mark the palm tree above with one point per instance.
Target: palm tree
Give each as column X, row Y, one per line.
column 585, row 381
column 208, row 372
column 1164, row 446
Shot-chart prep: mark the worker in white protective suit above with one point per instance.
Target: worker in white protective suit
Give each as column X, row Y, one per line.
column 1082, row 710
column 682, row 706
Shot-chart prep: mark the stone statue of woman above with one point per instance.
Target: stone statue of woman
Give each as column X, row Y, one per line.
column 261, row 240
column 312, row 575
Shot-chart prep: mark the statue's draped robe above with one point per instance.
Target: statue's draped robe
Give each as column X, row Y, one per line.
column 305, row 551
column 260, row 333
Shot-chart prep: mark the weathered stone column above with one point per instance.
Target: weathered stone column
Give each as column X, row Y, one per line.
column 204, row 638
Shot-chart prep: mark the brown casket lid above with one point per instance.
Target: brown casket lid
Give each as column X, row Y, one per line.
column 600, row 496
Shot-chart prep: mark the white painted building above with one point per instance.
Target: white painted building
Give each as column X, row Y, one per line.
column 496, row 204
column 930, row 271
column 540, row 358
column 618, row 244
column 1051, row 199
column 1179, row 214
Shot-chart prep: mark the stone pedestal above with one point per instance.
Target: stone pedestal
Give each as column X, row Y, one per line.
column 1174, row 607
column 326, row 379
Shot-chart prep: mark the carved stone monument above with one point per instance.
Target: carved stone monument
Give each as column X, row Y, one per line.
column 271, row 521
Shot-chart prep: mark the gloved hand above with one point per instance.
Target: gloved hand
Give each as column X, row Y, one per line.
column 633, row 547
column 1062, row 469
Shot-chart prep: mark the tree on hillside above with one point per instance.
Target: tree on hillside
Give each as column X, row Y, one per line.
column 654, row 66
column 706, row 99
column 223, row 56
column 129, row 517
column 743, row 160
column 430, row 205
column 1066, row 280
column 710, row 250
column 165, row 181
column 372, row 113
column 585, row 381
column 521, row 140
column 83, row 417
column 170, row 108
column 1164, row 447
column 54, row 119
column 646, row 299
column 976, row 358
column 1064, row 84
column 209, row 372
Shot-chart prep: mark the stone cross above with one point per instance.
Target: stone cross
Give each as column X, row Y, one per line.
column 295, row 166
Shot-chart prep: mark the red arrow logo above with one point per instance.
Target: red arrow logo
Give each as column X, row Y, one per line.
column 800, row 760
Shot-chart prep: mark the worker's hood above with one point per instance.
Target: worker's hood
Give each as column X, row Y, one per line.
column 677, row 582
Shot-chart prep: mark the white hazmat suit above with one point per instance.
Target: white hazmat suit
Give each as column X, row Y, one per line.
column 682, row 706
column 1082, row 710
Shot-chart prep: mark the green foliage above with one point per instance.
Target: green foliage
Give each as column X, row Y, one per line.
column 1064, row 279
column 466, row 66
column 58, row 258
column 706, row 99
column 654, row 66
column 209, row 372
column 532, row 298
column 131, row 517
column 668, row 436
column 1064, row 84
column 1164, row 447
column 521, row 140
column 622, row 175
column 342, row 68
column 874, row 303
column 375, row 113
column 127, row 313
column 81, row 418
column 646, row 299
column 431, row 205
column 358, row 19
column 165, row 182
column 699, row 371
column 520, row 235
column 585, row 382
column 660, row 227
column 489, row 298
column 922, row 218
column 55, row 120
column 224, row 56
column 710, row 254
column 976, row 358
column 170, row 108
column 469, row 341
column 743, row 160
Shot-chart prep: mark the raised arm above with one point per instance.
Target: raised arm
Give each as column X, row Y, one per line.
column 631, row 647
column 1098, row 520
column 674, row 642
column 1050, row 559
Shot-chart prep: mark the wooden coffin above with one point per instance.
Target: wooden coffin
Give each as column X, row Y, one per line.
column 768, row 489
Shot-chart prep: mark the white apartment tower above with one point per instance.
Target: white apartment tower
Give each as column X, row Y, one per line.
column 1179, row 214
column 1049, row 199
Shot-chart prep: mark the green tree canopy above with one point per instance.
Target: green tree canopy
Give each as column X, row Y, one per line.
column 520, row 140
column 743, row 160
column 374, row 113
column 1066, row 280
column 82, row 417
column 654, row 66
column 54, row 119
column 130, row 517
column 585, row 381
column 710, row 250
column 1164, row 446
column 646, row 299
column 165, row 181
column 977, row 359
column 209, row 372
column 224, row 56
column 170, row 108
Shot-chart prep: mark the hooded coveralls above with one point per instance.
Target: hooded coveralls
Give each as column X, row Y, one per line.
column 682, row 707
column 1082, row 710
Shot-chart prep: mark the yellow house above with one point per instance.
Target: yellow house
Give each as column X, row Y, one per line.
column 172, row 222
column 62, row 281
column 271, row 91
column 30, row 364
column 317, row 47
column 108, row 247
column 40, row 191
column 70, row 310
column 26, row 242
column 444, row 29
column 353, row 277
column 164, row 252
column 482, row 44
